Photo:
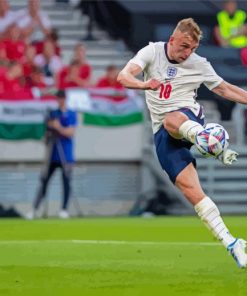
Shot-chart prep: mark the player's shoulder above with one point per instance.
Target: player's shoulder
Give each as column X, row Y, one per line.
column 158, row 44
column 153, row 48
column 196, row 59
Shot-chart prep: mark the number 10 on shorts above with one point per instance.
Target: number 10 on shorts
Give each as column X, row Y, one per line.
column 165, row 91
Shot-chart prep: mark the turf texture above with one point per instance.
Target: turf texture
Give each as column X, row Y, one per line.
column 118, row 256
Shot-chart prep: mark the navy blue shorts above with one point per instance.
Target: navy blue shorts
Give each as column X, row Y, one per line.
column 174, row 155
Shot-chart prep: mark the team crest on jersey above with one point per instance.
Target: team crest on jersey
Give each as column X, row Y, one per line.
column 171, row 72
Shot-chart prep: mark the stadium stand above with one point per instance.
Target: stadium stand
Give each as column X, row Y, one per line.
column 72, row 27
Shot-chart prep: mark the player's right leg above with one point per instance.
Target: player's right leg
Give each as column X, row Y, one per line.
column 177, row 161
column 188, row 182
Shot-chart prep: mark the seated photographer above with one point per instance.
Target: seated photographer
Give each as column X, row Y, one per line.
column 61, row 125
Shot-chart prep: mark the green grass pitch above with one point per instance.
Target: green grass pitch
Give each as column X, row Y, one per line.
column 118, row 256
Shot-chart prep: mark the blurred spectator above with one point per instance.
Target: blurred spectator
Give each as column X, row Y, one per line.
column 110, row 78
column 37, row 78
column 28, row 62
column 3, row 57
column 11, row 80
column 78, row 73
column 7, row 17
column 49, row 62
column 70, row 76
column 231, row 30
column 15, row 47
column 34, row 23
column 61, row 125
column 52, row 36
column 85, row 69
column 243, row 56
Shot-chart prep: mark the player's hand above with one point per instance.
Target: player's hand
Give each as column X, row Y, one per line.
column 152, row 84
column 228, row 157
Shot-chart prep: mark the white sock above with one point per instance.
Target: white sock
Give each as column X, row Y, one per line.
column 210, row 215
column 189, row 129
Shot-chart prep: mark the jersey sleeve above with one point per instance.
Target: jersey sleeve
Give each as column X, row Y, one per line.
column 144, row 56
column 211, row 78
column 72, row 119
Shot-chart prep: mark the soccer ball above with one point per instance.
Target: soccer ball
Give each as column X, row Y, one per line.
column 212, row 140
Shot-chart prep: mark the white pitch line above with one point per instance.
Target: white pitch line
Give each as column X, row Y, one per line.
column 111, row 242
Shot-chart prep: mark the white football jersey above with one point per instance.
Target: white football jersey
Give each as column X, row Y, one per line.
column 180, row 81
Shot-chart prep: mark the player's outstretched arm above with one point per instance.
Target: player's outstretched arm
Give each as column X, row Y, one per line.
column 127, row 78
column 231, row 92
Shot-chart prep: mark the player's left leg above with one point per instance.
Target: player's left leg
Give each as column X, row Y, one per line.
column 183, row 124
column 188, row 182
column 179, row 125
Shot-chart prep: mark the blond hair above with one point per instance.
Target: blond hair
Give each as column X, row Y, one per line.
column 191, row 27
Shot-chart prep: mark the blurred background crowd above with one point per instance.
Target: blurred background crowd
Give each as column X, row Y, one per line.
column 31, row 55
column 33, row 48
